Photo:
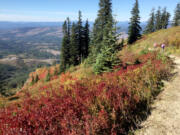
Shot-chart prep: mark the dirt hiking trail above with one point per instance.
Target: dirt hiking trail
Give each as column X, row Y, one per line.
column 165, row 115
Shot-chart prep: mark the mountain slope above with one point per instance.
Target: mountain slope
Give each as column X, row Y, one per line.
column 128, row 55
column 168, row 36
column 80, row 102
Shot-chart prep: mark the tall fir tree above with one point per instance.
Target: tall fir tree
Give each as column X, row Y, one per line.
column 86, row 40
column 151, row 23
column 74, row 44
column 158, row 23
column 107, row 59
column 65, row 48
column 165, row 19
column 80, row 35
column 176, row 19
column 161, row 19
column 134, row 28
column 104, row 19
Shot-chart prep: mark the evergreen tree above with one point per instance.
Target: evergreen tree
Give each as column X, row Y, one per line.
column 151, row 23
column 86, row 40
column 107, row 59
column 165, row 19
column 65, row 49
column 75, row 43
column 104, row 19
column 80, row 35
column 158, row 23
column 74, row 51
column 176, row 19
column 134, row 28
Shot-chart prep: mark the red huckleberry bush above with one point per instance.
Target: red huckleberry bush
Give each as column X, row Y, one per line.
column 107, row 104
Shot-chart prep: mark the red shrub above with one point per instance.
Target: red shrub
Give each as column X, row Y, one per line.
column 104, row 104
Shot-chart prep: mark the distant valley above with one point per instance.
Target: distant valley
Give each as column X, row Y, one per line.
column 23, row 49
column 31, row 42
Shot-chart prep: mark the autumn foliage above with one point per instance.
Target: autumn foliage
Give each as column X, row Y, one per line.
column 108, row 104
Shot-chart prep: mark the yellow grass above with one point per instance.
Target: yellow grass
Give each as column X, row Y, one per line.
column 171, row 37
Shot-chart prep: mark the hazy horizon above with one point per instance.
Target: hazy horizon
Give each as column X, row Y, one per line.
column 57, row 11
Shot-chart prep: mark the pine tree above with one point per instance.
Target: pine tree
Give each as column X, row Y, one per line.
column 104, row 18
column 151, row 23
column 107, row 59
column 158, row 23
column 165, row 19
column 74, row 51
column 134, row 28
column 65, row 49
column 86, row 40
column 176, row 19
column 80, row 35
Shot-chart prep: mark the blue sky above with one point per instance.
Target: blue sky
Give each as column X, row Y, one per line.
column 58, row 10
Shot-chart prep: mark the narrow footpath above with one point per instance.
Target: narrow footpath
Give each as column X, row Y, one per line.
column 165, row 116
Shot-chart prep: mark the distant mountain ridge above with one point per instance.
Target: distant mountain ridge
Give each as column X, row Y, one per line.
column 27, row 32
column 4, row 25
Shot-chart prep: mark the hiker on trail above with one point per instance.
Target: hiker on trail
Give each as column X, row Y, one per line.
column 163, row 46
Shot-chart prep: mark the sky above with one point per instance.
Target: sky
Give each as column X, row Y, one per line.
column 58, row 10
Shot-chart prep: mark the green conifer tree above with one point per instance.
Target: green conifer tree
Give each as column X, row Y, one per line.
column 158, row 23
column 104, row 18
column 165, row 19
column 86, row 40
column 74, row 51
column 134, row 28
column 65, row 49
column 107, row 59
column 176, row 19
column 151, row 23
column 80, row 35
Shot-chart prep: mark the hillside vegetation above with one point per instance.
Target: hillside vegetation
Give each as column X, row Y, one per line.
column 102, row 86
column 171, row 37
column 80, row 102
